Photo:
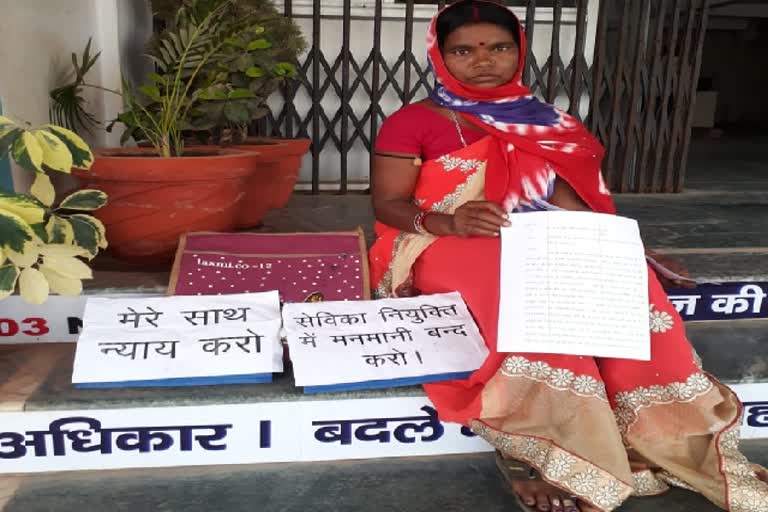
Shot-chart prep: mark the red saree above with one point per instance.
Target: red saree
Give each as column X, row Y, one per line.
column 601, row 429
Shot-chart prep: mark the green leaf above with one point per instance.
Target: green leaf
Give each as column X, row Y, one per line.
column 285, row 69
column 240, row 94
column 258, row 44
column 158, row 79
column 151, row 91
column 15, row 233
column 234, row 42
column 6, row 121
column 8, row 137
column 254, row 72
column 216, row 92
column 9, row 273
column 176, row 42
column 28, row 153
column 82, row 157
column 42, row 189
column 88, row 199
column 26, row 207
column 235, row 113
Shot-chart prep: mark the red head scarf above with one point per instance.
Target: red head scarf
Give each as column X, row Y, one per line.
column 523, row 126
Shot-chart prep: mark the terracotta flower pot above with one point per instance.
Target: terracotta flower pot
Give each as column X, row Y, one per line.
column 271, row 185
column 153, row 200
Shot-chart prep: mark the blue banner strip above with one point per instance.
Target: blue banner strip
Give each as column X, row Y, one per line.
column 256, row 378
column 392, row 383
column 726, row 301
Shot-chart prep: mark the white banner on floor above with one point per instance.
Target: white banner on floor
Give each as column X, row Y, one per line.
column 32, row 442
column 754, row 424
column 44, row 441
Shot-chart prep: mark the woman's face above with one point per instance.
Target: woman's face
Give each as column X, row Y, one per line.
column 481, row 54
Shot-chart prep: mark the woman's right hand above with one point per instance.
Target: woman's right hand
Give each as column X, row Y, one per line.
column 478, row 218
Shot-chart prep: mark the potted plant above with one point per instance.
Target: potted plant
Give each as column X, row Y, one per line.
column 260, row 59
column 44, row 248
column 165, row 189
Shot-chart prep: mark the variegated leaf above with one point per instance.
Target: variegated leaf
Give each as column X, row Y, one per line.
column 9, row 274
column 59, row 231
column 6, row 121
column 82, row 158
column 68, row 266
column 62, row 285
column 89, row 232
column 24, row 259
column 8, row 137
column 33, row 286
column 62, row 250
column 28, row 208
column 88, row 199
column 42, row 189
column 56, row 154
column 26, row 151
column 15, row 233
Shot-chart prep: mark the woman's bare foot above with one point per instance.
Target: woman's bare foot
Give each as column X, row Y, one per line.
column 548, row 498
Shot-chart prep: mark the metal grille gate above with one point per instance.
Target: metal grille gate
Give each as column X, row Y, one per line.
column 635, row 93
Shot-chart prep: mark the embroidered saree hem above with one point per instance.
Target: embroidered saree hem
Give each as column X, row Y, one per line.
column 688, row 441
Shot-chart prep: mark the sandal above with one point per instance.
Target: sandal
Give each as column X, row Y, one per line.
column 513, row 470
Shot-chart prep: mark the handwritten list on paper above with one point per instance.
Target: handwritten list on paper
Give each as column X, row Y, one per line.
column 574, row 283
column 334, row 343
column 158, row 338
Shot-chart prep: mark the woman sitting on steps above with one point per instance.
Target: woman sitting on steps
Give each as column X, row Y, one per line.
column 571, row 432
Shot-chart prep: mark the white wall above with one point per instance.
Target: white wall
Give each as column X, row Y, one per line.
column 36, row 40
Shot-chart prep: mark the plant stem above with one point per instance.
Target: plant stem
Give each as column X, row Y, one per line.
column 106, row 89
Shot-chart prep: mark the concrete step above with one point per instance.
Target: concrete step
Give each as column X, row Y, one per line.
column 734, row 351
column 720, row 243
column 465, row 483
column 720, row 236
column 39, row 377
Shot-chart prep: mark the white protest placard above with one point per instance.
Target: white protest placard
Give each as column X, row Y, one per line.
column 574, row 283
column 158, row 338
column 361, row 341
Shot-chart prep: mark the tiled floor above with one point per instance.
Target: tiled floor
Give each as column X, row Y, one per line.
column 467, row 483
